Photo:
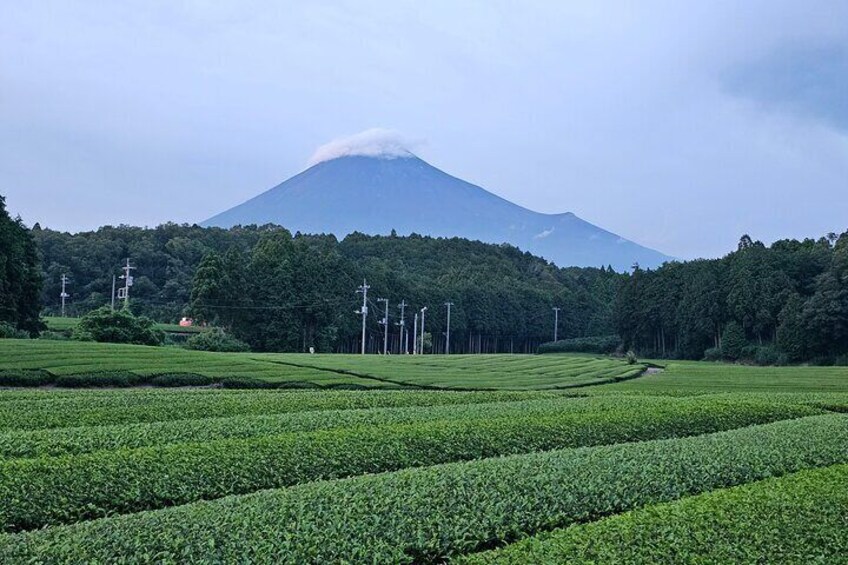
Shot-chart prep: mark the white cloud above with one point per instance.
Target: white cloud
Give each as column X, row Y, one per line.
column 543, row 234
column 374, row 142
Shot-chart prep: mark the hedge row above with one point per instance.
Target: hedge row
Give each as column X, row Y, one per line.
column 42, row 410
column 124, row 379
column 18, row 444
column 604, row 345
column 800, row 518
column 53, row 490
column 67, row 441
column 427, row 514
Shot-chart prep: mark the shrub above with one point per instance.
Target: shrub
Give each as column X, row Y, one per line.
column 822, row 361
column 713, row 354
column 631, row 357
column 119, row 326
column 604, row 345
column 25, row 377
column 841, row 361
column 296, row 384
column 244, row 382
column 106, row 482
column 429, row 514
column 104, row 379
column 216, row 340
column 8, row 331
column 181, row 379
column 778, row 520
column 54, row 336
column 767, row 355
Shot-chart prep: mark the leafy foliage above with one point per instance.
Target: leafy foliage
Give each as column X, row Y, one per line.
column 20, row 276
column 216, row 340
column 118, row 326
column 427, row 514
column 799, row 518
column 102, row 483
column 792, row 295
column 592, row 344
column 279, row 292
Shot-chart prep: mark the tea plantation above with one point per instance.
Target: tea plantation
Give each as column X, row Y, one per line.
column 469, row 459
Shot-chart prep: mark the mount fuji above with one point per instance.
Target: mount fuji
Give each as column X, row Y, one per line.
column 373, row 185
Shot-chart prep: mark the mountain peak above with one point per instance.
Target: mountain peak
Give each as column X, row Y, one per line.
column 375, row 142
column 372, row 183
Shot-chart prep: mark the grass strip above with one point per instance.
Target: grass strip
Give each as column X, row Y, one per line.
column 54, row 490
column 800, row 518
column 427, row 514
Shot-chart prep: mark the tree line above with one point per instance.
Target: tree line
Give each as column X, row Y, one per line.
column 787, row 302
column 287, row 292
column 20, row 277
column 277, row 291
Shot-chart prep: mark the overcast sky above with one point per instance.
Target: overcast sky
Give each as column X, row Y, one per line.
column 680, row 125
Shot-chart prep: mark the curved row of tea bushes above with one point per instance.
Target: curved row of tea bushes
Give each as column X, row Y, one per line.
column 799, row 518
column 426, row 514
column 43, row 491
column 66, row 441
column 93, row 408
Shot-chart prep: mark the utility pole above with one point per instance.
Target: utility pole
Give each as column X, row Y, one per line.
column 113, row 293
column 415, row 336
column 422, row 329
column 128, row 282
column 64, row 294
column 385, row 323
column 556, row 321
column 404, row 346
column 447, row 335
column 364, row 310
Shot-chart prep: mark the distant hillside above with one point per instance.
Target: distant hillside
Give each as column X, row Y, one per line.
column 502, row 296
column 378, row 194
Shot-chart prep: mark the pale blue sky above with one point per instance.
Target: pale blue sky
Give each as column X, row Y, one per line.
column 679, row 125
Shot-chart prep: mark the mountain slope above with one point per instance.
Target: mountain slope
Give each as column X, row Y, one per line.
column 373, row 194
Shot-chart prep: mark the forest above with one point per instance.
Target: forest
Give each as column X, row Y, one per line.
column 277, row 291
column 284, row 292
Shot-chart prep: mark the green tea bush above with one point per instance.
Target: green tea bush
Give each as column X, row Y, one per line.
column 434, row 513
column 605, row 345
column 16, row 444
column 245, row 382
column 181, row 379
column 103, row 379
column 799, row 518
column 25, row 377
column 120, row 481
column 113, row 407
